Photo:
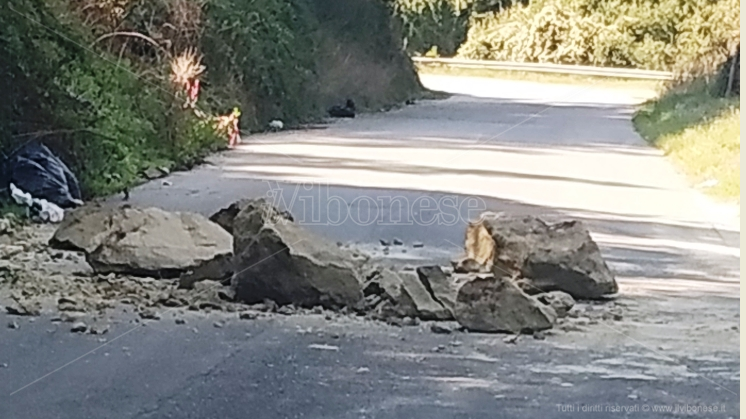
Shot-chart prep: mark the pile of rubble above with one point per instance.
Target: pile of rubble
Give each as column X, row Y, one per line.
column 519, row 274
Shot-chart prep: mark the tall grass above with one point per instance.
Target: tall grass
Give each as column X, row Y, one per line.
column 700, row 131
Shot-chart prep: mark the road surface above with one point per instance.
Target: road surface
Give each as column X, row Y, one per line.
column 418, row 174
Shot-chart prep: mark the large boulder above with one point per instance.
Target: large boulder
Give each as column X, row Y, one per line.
column 497, row 304
column 440, row 286
column 142, row 241
column 407, row 295
column 550, row 257
column 278, row 260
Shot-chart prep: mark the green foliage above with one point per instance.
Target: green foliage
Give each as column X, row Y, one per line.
column 111, row 113
column 688, row 36
column 265, row 50
column 429, row 24
column 292, row 59
column 439, row 25
column 194, row 137
column 107, row 122
column 124, row 116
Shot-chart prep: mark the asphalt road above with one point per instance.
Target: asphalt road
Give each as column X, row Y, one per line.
column 554, row 151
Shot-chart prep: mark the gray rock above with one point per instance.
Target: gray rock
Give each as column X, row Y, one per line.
column 226, row 216
column 218, row 269
column 498, row 305
column 6, row 226
column 437, row 329
column 142, row 241
column 408, row 295
column 467, row 265
column 153, row 173
column 278, row 260
column 551, row 257
column 7, row 251
column 149, row 313
column 248, row 315
column 560, row 301
column 79, row 327
column 439, row 285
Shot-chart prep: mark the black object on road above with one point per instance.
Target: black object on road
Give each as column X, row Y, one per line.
column 346, row 111
column 34, row 169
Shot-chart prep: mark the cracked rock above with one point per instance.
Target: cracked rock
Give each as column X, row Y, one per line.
column 498, row 305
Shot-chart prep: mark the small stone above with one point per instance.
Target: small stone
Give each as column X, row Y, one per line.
column 418, row 245
column 569, row 327
column 71, row 316
column 438, row 329
column 455, row 343
column 324, row 347
column 8, row 251
column 398, row 242
column 149, row 313
column 384, row 242
column 248, row 315
column 582, row 322
column 286, row 310
column 617, row 317
column 4, row 365
column 362, row 370
column 393, row 321
column 219, row 324
column 79, row 327
column 632, row 396
column 195, row 330
column 179, row 320
column 512, row 339
column 13, row 325
column 540, row 335
column 439, row 348
column 318, row 310
column 5, row 225
column 99, row 329
column 409, row 321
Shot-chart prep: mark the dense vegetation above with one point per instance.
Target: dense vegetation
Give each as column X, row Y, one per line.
column 688, row 36
column 96, row 80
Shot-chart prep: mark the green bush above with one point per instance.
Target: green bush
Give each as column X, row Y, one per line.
column 108, row 122
column 104, row 102
column 292, row 59
column 690, row 37
column 263, row 53
column 432, row 23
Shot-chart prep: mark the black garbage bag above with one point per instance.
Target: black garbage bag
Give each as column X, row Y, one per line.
column 36, row 170
column 346, row 111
